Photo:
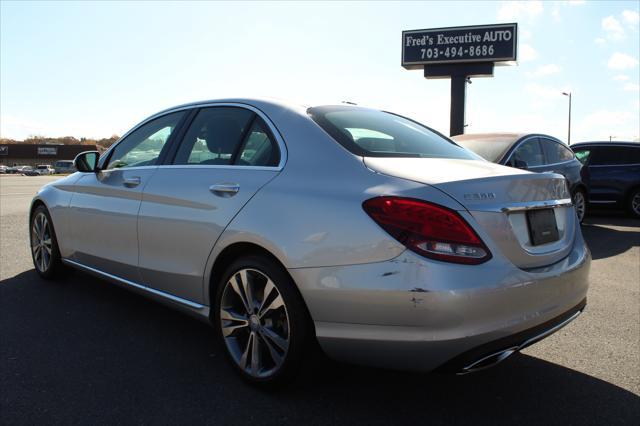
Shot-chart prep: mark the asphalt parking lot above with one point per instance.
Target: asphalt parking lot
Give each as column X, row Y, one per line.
column 82, row 351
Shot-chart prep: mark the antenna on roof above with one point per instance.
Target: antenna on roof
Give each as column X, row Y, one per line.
column 349, row 103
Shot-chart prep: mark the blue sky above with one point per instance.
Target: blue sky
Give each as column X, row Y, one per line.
column 95, row 69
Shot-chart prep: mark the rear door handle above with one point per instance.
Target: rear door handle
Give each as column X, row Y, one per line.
column 225, row 190
column 131, row 182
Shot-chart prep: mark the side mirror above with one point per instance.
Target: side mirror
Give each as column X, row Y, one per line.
column 520, row 164
column 87, row 161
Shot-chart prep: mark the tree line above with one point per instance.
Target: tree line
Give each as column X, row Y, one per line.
column 102, row 144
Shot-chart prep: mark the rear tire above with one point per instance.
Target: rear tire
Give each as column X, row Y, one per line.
column 634, row 202
column 579, row 200
column 44, row 244
column 261, row 320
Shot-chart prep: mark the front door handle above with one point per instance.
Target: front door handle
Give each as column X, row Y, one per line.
column 131, row 182
column 225, row 190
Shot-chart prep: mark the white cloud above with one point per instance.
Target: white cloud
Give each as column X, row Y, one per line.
column 527, row 53
column 601, row 124
column 621, row 77
column 544, row 70
column 600, row 41
column 555, row 13
column 622, row 61
column 519, row 10
column 631, row 17
column 612, row 28
column 632, row 87
column 525, row 34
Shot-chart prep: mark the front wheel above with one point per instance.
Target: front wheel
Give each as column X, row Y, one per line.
column 580, row 204
column 44, row 245
column 262, row 320
column 634, row 202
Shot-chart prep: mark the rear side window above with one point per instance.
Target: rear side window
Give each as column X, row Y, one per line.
column 228, row 136
column 556, row 152
column 371, row 133
column 615, row 155
column 527, row 154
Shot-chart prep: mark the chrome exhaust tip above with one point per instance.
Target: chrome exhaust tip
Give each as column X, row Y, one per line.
column 488, row 361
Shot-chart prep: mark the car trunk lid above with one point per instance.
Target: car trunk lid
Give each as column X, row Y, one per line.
column 499, row 199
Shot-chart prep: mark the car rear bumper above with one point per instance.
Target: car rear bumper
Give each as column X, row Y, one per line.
column 418, row 314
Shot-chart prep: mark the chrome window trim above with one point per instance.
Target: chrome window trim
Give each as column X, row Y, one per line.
column 171, row 297
column 272, row 127
column 220, row 166
column 515, row 147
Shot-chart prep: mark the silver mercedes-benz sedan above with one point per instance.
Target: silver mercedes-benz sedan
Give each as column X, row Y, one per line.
column 279, row 224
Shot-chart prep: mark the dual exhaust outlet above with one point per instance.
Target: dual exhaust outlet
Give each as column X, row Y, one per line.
column 495, row 358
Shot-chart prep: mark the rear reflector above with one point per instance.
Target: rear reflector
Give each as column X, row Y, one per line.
column 428, row 229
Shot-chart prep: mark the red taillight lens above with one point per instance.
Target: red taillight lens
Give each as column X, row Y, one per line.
column 428, row 229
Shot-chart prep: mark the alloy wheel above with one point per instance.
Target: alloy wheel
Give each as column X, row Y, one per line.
column 41, row 243
column 635, row 203
column 580, row 205
column 254, row 323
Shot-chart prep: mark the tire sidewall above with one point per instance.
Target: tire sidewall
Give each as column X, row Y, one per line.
column 296, row 311
column 54, row 266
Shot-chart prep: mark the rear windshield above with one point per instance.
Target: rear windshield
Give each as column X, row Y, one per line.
column 371, row 133
column 489, row 149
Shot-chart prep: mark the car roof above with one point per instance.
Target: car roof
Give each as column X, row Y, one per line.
column 501, row 136
column 605, row 143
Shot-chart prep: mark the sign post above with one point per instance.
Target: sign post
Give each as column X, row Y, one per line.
column 459, row 53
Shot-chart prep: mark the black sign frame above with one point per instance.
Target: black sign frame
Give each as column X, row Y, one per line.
column 441, row 59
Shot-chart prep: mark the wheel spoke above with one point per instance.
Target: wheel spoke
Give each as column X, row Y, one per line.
column 248, row 291
column 245, row 354
column 275, row 304
column 42, row 261
column 239, row 290
column 273, row 352
column 279, row 341
column 268, row 289
column 256, row 362
column 234, row 321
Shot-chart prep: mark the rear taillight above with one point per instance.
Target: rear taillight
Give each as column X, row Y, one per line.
column 428, row 229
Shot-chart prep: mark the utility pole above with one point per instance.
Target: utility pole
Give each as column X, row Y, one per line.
column 569, row 128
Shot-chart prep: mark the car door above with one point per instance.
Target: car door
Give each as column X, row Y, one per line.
column 227, row 154
column 611, row 171
column 104, row 208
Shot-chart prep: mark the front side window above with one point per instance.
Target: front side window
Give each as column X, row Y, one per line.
column 527, row 154
column 371, row 133
column 143, row 146
column 556, row 152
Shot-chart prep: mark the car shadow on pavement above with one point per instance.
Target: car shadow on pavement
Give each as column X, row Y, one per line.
column 80, row 350
column 604, row 241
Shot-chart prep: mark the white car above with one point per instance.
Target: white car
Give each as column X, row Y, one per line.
column 44, row 169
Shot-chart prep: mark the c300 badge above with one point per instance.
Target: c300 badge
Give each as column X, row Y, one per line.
column 480, row 196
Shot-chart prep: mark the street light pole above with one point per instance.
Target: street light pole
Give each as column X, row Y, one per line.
column 569, row 129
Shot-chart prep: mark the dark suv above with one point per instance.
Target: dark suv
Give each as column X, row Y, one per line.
column 533, row 152
column 612, row 173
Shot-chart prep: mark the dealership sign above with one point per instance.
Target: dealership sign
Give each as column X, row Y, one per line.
column 47, row 150
column 480, row 43
column 4, row 150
